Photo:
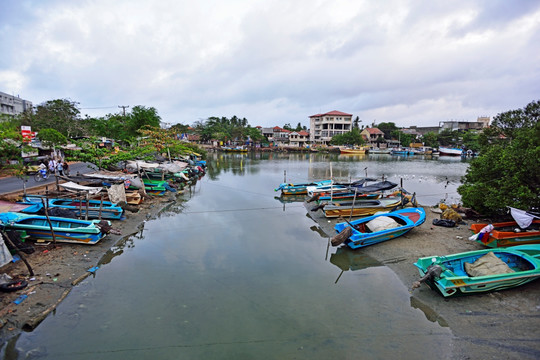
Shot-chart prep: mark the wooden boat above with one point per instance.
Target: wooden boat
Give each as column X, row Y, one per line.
column 299, row 188
column 379, row 151
column 504, row 234
column 359, row 207
column 352, row 151
column 347, row 197
column 378, row 228
column 460, row 274
column 444, row 151
column 65, row 229
column 96, row 208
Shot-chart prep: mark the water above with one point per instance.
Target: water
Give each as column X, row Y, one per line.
column 234, row 274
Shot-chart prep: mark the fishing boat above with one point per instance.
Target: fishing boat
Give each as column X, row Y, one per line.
column 481, row 270
column 335, row 188
column 359, row 207
column 65, row 229
column 352, row 151
column 507, row 234
column 378, row 228
column 92, row 208
column 444, row 151
column 299, row 188
column 379, row 151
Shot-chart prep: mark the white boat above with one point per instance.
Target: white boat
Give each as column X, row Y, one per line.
column 450, row 151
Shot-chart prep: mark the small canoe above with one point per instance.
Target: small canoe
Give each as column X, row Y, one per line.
column 378, row 228
column 480, row 271
column 65, row 229
column 299, row 188
column 359, row 207
column 508, row 234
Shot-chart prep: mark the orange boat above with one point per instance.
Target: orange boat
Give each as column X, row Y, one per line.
column 504, row 234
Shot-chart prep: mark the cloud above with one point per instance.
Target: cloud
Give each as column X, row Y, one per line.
column 276, row 62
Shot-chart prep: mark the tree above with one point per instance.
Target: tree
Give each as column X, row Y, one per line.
column 61, row 115
column 430, row 139
column 404, row 139
column 139, row 117
column 448, row 137
column 352, row 137
column 356, row 122
column 387, row 128
column 507, row 172
column 51, row 137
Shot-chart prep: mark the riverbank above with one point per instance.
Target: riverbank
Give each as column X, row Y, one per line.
column 58, row 269
column 495, row 325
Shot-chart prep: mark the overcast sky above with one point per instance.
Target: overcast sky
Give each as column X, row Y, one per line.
column 276, row 62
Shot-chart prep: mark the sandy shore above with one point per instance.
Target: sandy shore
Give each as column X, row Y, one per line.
column 496, row 325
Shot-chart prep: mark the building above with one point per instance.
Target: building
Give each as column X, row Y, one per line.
column 276, row 135
column 299, row 139
column 13, row 105
column 324, row 126
column 370, row 136
column 482, row 122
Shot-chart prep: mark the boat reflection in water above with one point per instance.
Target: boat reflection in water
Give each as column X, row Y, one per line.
column 348, row 259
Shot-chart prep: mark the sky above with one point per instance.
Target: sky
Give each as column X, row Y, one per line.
column 411, row 62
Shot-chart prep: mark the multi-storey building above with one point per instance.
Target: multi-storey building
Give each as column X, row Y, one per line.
column 324, row 126
column 13, row 105
column 298, row 138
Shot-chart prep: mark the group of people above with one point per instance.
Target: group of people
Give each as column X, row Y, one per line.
column 61, row 166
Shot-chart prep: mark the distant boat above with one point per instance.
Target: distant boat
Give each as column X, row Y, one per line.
column 65, row 229
column 468, row 272
column 379, row 151
column 450, row 151
column 352, row 151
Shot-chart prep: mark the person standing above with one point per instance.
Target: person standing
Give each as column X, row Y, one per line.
column 60, row 168
column 52, row 165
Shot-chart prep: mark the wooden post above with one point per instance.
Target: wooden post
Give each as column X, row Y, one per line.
column 354, row 199
column 87, row 206
column 100, row 205
column 80, row 206
column 45, row 208
column 284, row 176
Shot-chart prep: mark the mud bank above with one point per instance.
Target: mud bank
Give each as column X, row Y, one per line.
column 498, row 325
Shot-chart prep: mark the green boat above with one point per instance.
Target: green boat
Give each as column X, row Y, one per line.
column 481, row 270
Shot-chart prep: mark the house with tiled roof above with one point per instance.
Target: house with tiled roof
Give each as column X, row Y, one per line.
column 299, row 138
column 370, row 135
column 325, row 126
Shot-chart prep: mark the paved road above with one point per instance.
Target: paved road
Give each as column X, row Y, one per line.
column 13, row 183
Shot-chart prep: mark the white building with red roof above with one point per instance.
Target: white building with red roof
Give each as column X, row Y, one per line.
column 324, row 126
column 298, row 138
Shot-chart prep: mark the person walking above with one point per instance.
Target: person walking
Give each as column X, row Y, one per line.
column 60, row 168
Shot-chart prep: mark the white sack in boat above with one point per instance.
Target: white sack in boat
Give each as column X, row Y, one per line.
column 522, row 218
column 74, row 187
column 382, row 223
column 117, row 193
column 488, row 264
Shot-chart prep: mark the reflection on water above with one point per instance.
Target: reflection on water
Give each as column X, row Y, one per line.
column 430, row 314
column 232, row 274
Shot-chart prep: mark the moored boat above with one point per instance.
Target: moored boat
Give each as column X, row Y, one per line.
column 65, row 229
column 507, row 234
column 299, row 188
column 352, row 151
column 444, row 151
column 359, row 207
column 91, row 208
column 481, row 270
column 378, row 228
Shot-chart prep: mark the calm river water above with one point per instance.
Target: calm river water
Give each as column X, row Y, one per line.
column 229, row 272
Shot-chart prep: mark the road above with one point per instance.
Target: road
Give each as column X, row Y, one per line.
column 10, row 184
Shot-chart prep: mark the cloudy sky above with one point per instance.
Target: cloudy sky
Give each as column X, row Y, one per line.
column 276, row 62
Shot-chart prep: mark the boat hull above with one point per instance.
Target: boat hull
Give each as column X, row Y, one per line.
column 454, row 280
column 450, row 151
column 65, row 229
column 299, row 189
column 408, row 219
column 360, row 207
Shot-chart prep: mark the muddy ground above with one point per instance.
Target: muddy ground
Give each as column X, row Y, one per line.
column 497, row 325
column 500, row 325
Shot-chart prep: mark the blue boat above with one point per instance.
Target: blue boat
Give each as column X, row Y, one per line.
column 65, row 229
column 299, row 189
column 378, row 228
column 96, row 208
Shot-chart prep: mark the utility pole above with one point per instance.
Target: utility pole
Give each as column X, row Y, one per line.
column 123, row 109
